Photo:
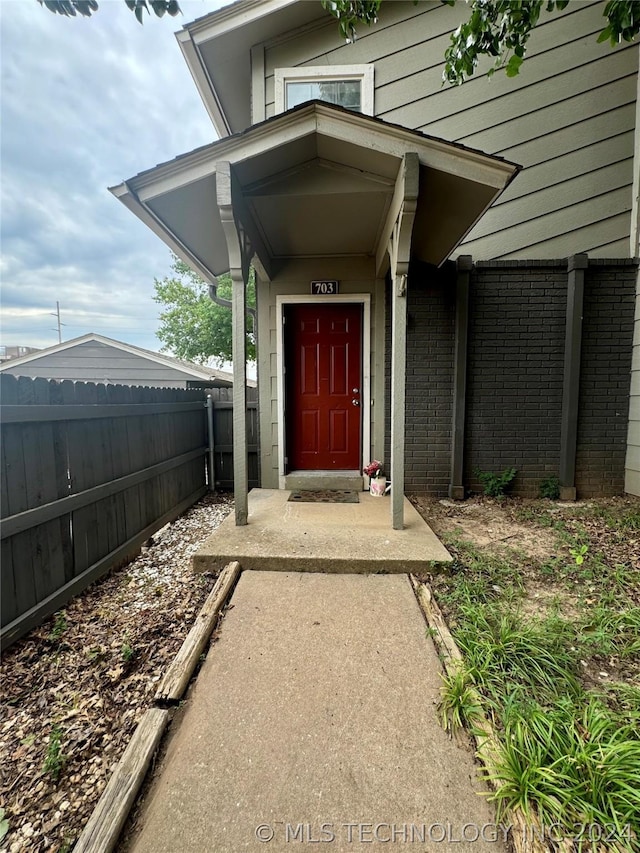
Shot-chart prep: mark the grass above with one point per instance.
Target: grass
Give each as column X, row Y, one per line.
column 569, row 744
column 460, row 706
column 571, row 764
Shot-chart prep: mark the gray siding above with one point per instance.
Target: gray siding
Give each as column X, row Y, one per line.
column 569, row 119
column 98, row 362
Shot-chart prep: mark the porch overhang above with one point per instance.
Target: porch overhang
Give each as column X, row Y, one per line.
column 315, row 181
column 318, row 181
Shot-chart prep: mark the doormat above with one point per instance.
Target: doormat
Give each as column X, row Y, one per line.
column 325, row 496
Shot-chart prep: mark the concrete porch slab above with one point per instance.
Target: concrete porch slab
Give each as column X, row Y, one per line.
column 320, row 537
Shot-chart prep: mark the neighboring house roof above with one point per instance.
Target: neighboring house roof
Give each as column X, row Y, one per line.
column 191, row 372
column 332, row 171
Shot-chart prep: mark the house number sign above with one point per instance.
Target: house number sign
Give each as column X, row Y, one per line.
column 324, row 288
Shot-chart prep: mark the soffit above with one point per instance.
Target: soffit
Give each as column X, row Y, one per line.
column 222, row 43
column 315, row 181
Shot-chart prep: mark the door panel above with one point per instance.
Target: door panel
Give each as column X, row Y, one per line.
column 323, row 358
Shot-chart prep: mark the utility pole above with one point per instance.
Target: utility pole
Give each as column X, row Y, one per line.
column 60, row 325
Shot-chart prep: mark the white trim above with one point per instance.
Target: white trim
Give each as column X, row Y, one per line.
column 258, row 96
column 204, row 84
column 293, row 299
column 363, row 73
column 233, row 17
column 345, row 126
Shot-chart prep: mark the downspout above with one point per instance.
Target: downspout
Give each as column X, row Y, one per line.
column 226, row 303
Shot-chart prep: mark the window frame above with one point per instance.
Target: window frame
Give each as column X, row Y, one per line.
column 318, row 73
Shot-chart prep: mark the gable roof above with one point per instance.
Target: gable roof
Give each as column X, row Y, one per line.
column 219, row 45
column 270, row 162
column 191, row 371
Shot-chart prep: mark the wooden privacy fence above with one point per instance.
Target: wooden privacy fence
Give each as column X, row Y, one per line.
column 89, row 472
column 221, row 437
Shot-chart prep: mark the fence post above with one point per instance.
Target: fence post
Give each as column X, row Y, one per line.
column 211, row 453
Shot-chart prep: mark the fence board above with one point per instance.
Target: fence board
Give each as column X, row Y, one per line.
column 58, row 535
column 80, row 494
column 223, row 438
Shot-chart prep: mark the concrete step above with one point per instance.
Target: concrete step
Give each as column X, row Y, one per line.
column 309, row 480
column 322, row 537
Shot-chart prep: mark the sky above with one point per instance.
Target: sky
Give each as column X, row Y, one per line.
column 85, row 104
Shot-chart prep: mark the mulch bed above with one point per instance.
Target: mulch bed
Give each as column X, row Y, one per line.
column 74, row 689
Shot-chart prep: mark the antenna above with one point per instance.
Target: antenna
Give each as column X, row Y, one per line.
column 59, row 329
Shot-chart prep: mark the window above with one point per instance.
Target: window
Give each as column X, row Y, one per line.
column 350, row 86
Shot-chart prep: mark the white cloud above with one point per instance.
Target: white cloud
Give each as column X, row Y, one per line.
column 85, row 104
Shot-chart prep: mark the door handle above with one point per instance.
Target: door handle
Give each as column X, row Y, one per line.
column 355, row 402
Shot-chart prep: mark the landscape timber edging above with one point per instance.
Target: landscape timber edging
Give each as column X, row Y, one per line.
column 524, row 840
column 102, row 831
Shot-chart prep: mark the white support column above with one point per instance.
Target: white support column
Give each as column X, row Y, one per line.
column 239, row 255
column 399, row 248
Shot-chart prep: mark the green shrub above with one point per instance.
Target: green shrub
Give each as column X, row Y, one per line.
column 494, row 485
column 550, row 488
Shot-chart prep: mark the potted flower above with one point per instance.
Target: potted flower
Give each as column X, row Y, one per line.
column 378, row 480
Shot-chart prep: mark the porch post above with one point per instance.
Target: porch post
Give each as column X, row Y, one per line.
column 407, row 186
column 463, row 274
column 571, row 377
column 239, row 271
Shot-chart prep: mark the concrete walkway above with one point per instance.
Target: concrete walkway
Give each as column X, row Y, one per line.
column 313, row 721
column 320, row 537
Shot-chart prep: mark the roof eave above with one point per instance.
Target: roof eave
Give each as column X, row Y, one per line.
column 142, row 193
column 204, row 84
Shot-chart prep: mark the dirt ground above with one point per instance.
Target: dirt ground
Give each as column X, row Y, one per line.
column 537, row 542
column 74, row 689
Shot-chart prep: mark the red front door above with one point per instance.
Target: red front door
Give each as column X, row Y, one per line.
column 323, row 358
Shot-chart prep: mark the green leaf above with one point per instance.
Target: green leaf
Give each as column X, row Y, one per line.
column 512, row 68
column 605, row 35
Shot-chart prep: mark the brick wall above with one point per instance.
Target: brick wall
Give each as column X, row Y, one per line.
column 607, row 337
column 515, row 370
column 430, row 340
column 515, row 366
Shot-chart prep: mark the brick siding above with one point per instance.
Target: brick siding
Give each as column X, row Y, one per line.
column 607, row 338
column 515, row 370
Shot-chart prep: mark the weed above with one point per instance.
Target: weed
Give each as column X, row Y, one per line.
column 550, row 488
column 619, row 519
column 624, row 699
column 579, row 553
column 96, row 653
column 459, row 704
column 494, row 485
column 605, row 632
column 127, row 651
column 549, row 567
column 59, row 626
column 54, row 759
column 514, row 657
